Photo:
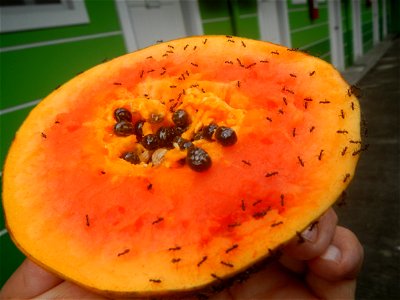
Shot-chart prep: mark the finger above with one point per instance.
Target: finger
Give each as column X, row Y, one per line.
column 28, row 281
column 341, row 260
column 325, row 289
column 314, row 240
column 68, row 290
column 273, row 282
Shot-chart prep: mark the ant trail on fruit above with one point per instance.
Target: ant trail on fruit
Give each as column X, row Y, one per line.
column 294, row 132
column 269, row 119
column 229, row 62
column 176, row 248
column 205, row 41
column 346, row 177
column 172, row 86
column 239, row 62
column 234, row 225
column 324, row 102
column 193, row 64
column 169, row 51
column 293, row 75
column 231, row 248
column 87, row 220
column 187, row 45
column 261, row 214
column 344, row 151
column 216, row 277
column 170, row 46
column 311, row 73
column 123, row 252
column 281, row 111
column 175, row 260
column 271, row 174
column 243, row 44
column 264, row 61
column 276, row 224
column 246, row 162
column 342, row 113
column 282, row 200
column 300, row 161
column 355, row 142
column 150, row 71
column 320, row 154
column 284, row 100
column 360, row 150
column 238, row 84
column 155, row 280
column 257, row 202
column 202, row 261
column 243, row 206
column 157, row 221
column 226, row 264
column 148, row 57
column 194, row 48
column 352, row 105
column 231, row 41
column 342, row 131
column 44, row 135
column 250, row 65
column 275, row 52
column 117, row 83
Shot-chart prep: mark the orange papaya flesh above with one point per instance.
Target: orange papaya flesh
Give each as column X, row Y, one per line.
column 156, row 226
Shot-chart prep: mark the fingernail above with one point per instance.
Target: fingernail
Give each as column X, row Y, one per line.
column 332, row 254
column 310, row 234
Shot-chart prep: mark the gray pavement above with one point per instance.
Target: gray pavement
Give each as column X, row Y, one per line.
column 373, row 198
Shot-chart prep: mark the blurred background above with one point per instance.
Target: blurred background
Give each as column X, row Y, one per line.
column 43, row 43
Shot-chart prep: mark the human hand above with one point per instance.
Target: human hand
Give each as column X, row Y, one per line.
column 324, row 266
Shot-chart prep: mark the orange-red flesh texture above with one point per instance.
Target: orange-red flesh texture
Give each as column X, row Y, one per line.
column 76, row 208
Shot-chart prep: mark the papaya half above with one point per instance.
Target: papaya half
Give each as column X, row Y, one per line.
column 181, row 165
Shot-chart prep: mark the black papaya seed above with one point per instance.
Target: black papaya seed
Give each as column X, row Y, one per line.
column 150, row 142
column 166, row 136
column 122, row 114
column 181, row 118
column 182, row 143
column 209, row 130
column 198, row 159
column 226, row 136
column 131, row 157
column 123, row 128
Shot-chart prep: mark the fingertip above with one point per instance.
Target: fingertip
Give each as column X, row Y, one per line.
column 314, row 240
column 342, row 259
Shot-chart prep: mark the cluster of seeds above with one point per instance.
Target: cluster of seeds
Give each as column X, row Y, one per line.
column 166, row 137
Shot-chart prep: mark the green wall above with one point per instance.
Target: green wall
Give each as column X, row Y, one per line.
column 366, row 26
column 347, row 27
column 230, row 17
column 35, row 62
column 310, row 35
